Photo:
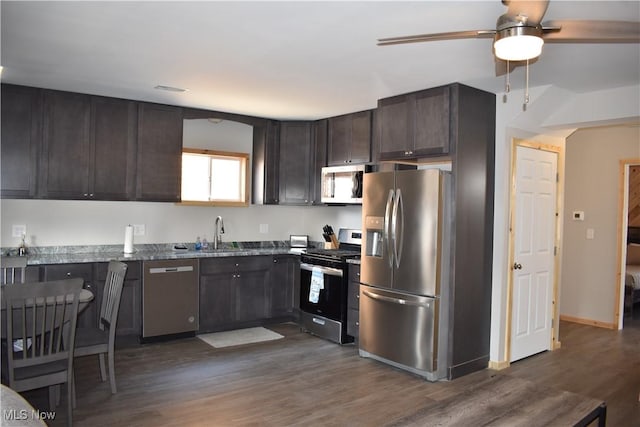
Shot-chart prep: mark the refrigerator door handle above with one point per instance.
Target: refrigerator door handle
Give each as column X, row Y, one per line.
column 387, row 218
column 400, row 301
column 398, row 227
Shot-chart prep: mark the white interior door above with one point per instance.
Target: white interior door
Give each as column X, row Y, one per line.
column 533, row 267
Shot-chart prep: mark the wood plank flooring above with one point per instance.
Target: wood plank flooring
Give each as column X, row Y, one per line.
column 304, row 380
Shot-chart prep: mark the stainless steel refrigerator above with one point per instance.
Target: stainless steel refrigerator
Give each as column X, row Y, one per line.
column 405, row 270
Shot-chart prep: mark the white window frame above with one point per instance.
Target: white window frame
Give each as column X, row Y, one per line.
column 244, row 178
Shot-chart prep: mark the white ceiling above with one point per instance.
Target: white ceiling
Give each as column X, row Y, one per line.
column 288, row 60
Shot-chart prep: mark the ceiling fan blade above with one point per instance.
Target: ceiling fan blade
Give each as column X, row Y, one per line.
column 437, row 36
column 581, row 31
column 534, row 10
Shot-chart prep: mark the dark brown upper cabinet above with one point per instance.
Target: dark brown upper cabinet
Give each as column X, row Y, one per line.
column 296, row 157
column 319, row 135
column 349, row 139
column 88, row 149
column 21, row 114
column 265, row 163
column 113, row 144
column 414, row 125
column 159, row 171
column 66, row 151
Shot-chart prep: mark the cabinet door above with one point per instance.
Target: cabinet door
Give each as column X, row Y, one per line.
column 217, row 301
column 66, row 153
column 21, row 115
column 88, row 318
column 393, row 127
column 319, row 160
column 282, row 284
column 251, row 295
column 431, row 122
column 159, row 153
column 339, row 143
column 113, row 137
column 295, row 163
column 360, row 138
column 265, row 164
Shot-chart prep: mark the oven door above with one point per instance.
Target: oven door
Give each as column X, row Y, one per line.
column 322, row 297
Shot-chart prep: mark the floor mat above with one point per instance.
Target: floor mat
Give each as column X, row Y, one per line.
column 239, row 337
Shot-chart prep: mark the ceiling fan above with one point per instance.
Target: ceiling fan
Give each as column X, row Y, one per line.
column 520, row 34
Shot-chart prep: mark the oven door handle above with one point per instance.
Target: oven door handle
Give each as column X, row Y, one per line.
column 324, row 270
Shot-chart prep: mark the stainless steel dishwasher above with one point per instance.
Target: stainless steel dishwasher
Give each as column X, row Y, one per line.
column 170, row 304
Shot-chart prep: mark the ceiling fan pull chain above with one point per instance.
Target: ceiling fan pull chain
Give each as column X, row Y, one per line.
column 526, row 87
column 508, row 85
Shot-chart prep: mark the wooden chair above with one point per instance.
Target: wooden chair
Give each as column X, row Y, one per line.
column 9, row 266
column 46, row 313
column 101, row 341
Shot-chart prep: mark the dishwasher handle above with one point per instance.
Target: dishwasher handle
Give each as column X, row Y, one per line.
column 179, row 269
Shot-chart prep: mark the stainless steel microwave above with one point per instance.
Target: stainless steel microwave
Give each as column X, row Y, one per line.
column 342, row 184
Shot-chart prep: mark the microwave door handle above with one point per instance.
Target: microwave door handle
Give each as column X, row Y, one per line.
column 387, row 220
column 356, row 188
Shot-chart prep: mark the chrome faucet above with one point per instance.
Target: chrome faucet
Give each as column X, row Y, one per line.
column 219, row 231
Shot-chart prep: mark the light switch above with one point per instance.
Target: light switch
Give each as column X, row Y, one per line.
column 139, row 230
column 591, row 233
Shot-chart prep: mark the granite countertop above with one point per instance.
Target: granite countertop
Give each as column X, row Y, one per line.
column 147, row 252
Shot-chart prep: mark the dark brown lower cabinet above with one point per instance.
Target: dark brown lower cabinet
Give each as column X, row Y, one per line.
column 284, row 277
column 94, row 275
column 233, row 292
column 130, row 313
column 353, row 301
column 246, row 291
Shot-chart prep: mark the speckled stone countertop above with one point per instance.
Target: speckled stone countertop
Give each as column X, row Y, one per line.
column 144, row 252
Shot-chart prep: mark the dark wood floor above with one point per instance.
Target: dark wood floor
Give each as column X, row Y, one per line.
column 304, row 380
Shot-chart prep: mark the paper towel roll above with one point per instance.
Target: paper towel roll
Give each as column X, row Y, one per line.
column 128, row 239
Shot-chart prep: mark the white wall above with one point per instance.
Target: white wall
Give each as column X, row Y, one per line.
column 60, row 223
column 589, row 273
column 551, row 116
column 83, row 222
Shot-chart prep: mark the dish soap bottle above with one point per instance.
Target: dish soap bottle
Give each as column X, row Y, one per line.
column 198, row 243
column 22, row 250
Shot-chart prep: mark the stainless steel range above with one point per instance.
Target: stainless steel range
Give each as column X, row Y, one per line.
column 323, row 287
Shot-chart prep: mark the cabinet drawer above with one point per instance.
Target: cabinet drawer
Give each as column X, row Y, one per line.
column 133, row 271
column 353, row 299
column 353, row 323
column 237, row 263
column 66, row 271
column 354, row 273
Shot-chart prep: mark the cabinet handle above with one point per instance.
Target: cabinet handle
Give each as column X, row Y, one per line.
column 357, row 323
column 68, row 274
column 275, row 261
column 237, row 265
column 238, row 275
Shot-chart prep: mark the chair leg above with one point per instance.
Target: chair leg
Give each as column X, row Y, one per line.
column 73, row 389
column 70, row 403
column 103, row 372
column 112, row 372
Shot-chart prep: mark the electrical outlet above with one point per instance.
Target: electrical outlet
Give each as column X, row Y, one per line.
column 264, row 228
column 18, row 230
column 139, row 229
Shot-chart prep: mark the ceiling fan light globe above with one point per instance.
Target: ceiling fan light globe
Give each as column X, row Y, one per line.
column 518, row 43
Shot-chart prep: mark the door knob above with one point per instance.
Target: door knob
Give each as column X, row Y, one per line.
column 517, row 266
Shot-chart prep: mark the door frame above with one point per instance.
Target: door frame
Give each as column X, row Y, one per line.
column 559, row 151
column 623, row 207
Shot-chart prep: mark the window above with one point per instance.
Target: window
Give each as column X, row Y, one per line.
column 215, row 177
